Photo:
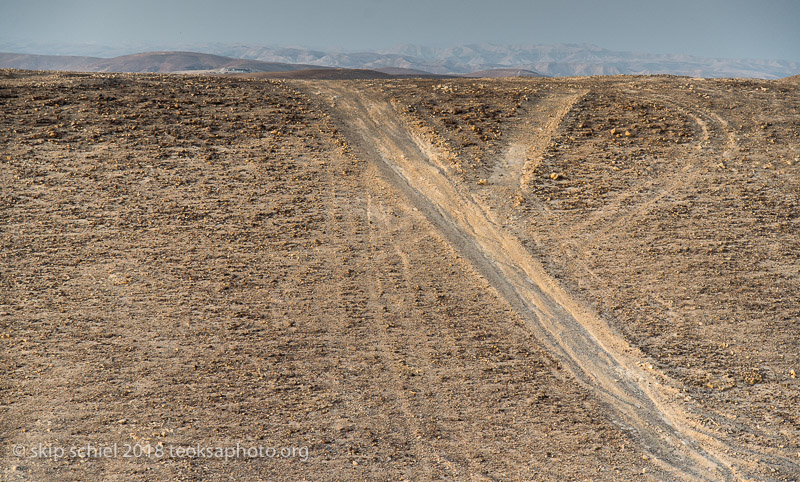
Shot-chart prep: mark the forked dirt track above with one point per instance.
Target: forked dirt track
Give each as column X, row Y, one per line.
column 594, row 354
column 516, row 279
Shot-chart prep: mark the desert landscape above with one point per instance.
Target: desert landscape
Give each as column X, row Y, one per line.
column 587, row 278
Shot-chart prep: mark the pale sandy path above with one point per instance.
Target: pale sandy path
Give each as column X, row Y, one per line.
column 597, row 357
column 531, row 137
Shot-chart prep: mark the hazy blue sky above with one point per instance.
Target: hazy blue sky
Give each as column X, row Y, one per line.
column 767, row 29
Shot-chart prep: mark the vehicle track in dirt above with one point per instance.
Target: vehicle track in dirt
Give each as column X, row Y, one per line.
column 593, row 354
column 530, row 138
column 714, row 134
column 209, row 260
column 715, row 137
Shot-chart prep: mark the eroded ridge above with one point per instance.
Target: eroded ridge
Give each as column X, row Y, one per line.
column 593, row 354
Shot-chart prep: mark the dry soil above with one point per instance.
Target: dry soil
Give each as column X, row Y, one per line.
column 585, row 278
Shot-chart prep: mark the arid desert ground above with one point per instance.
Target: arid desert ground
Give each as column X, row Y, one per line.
column 589, row 278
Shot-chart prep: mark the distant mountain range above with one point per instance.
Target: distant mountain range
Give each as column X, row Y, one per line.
column 551, row 60
column 488, row 60
column 146, row 62
column 201, row 63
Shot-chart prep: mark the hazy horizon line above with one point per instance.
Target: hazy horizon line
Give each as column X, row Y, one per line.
column 118, row 49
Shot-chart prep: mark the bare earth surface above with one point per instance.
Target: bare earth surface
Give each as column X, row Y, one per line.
column 588, row 278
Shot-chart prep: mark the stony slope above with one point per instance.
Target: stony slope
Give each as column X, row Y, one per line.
column 196, row 260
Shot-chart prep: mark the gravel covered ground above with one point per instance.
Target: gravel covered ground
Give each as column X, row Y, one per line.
column 208, row 261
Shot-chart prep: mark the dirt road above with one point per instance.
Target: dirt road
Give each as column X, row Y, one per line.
column 573, row 334
column 417, row 279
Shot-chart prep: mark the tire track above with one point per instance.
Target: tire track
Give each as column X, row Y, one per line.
column 595, row 356
column 715, row 135
column 615, row 214
column 530, row 138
